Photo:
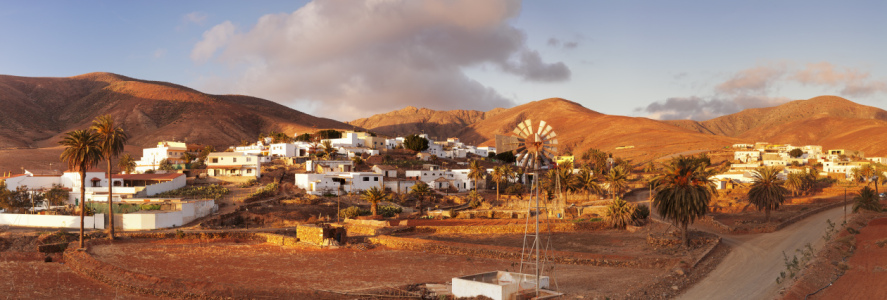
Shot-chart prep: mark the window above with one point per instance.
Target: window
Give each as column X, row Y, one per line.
column 375, row 178
column 234, row 159
column 249, row 171
column 366, row 179
column 249, row 159
column 215, row 160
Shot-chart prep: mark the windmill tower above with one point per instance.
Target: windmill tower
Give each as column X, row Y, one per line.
column 535, row 148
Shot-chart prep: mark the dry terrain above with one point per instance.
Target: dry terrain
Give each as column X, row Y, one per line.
column 867, row 273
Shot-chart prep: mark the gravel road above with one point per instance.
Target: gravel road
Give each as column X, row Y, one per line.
column 751, row 268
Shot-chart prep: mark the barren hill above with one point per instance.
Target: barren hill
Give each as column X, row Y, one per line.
column 34, row 112
column 579, row 128
column 830, row 121
column 437, row 124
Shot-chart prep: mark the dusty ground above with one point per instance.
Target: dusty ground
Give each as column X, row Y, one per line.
column 867, row 275
column 259, row 265
column 25, row 275
column 615, row 242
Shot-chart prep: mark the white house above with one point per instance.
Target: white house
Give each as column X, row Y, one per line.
column 258, row 148
column 282, row 150
column 125, row 185
column 385, row 170
column 349, row 139
column 335, row 182
column 234, row 164
column 329, row 166
column 746, row 156
column 170, row 151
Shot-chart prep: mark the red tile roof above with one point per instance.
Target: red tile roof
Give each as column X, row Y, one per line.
column 148, row 176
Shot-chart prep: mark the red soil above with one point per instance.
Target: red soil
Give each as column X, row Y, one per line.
column 867, row 275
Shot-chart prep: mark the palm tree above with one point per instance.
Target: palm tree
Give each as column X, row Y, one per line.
column 588, row 182
column 476, row 172
column 683, row 191
column 111, row 140
column 867, row 199
column 863, row 173
column 329, row 149
column 766, row 191
column 82, row 151
column 566, row 177
column 499, row 174
column 619, row 213
column 617, row 180
column 795, row 182
column 420, row 190
column 374, row 195
column 126, row 163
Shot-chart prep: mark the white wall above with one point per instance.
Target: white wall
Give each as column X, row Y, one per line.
column 97, row 221
column 157, row 188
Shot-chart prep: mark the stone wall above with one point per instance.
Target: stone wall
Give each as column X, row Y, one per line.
column 310, row 233
column 501, row 229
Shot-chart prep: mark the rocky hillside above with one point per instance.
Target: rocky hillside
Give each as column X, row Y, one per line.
column 437, row 124
column 34, row 112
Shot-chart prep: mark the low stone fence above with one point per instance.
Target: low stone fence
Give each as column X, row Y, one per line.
column 504, row 229
column 512, row 253
column 767, row 228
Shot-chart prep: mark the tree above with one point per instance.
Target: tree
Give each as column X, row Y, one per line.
column 57, row 195
column 767, row 191
column 619, row 213
column 797, row 152
column 476, row 172
column 864, row 173
column 112, row 139
column 329, row 149
column 420, row 190
column 506, row 157
column 165, row 165
column 650, row 167
column 499, row 175
column 303, row 137
column 126, row 163
column 82, row 151
column 415, row 143
column 588, row 182
column 683, row 192
column 374, row 195
column 328, row 134
column 357, row 160
column 795, row 182
column 617, row 181
column 188, row 158
column 867, row 199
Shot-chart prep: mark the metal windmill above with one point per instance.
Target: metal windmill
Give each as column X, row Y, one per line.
column 535, row 149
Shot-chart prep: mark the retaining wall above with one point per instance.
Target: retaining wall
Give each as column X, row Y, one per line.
column 502, row 229
column 96, row 221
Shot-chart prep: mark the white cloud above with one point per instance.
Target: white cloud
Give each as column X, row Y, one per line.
column 196, row 17
column 852, row 82
column 213, row 39
column 355, row 58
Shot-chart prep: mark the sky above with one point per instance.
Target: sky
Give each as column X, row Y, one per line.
column 348, row 59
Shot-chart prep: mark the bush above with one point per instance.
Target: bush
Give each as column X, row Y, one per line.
column 641, row 212
column 249, row 183
column 389, row 211
column 353, row 212
column 515, row 189
column 213, row 191
column 620, row 213
column 149, row 207
column 266, row 191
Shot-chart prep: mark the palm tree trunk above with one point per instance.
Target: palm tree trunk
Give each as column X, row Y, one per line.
column 82, row 201
column 110, row 203
column 684, row 235
column 767, row 214
column 374, row 207
column 497, row 191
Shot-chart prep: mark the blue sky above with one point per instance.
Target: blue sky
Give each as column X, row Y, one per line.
column 348, row 59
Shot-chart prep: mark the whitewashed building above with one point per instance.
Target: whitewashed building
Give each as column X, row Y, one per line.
column 234, row 164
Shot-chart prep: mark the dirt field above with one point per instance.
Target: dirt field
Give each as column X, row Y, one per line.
column 867, row 275
column 25, row 275
column 616, row 242
column 259, row 265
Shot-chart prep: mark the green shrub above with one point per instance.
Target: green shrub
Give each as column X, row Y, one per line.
column 353, row 212
column 265, row 191
column 389, row 211
column 149, row 207
column 213, row 191
column 620, row 213
column 249, row 183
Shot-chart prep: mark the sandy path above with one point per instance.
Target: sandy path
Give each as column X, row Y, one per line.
column 751, row 268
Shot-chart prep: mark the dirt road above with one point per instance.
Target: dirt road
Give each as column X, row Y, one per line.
column 751, row 268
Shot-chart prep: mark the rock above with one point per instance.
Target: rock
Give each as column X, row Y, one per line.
column 674, row 287
column 679, row 271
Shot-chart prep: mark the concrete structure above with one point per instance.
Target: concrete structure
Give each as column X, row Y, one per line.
column 125, row 185
column 326, row 166
column 386, row 170
column 747, row 156
column 96, row 221
column 180, row 213
column 234, row 164
column 502, row 285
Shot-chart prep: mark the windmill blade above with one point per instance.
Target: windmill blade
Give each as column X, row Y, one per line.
column 546, row 131
column 552, row 135
column 542, row 125
column 528, row 127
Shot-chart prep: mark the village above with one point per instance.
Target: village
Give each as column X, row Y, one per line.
column 354, row 191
